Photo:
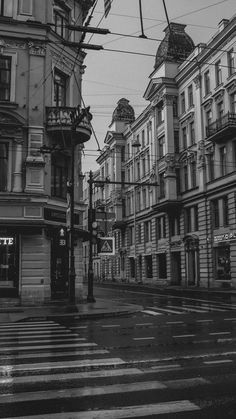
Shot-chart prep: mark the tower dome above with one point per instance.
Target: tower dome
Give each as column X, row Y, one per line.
column 176, row 45
column 123, row 112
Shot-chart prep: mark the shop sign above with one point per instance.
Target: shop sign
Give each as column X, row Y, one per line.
column 225, row 237
column 59, row 216
column 6, row 241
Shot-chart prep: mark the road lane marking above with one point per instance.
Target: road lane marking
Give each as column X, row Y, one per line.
column 14, row 345
column 219, row 333
column 152, row 313
column 186, row 382
column 82, row 392
column 63, row 365
column 219, row 361
column 165, row 310
column 230, row 318
column 54, row 346
column 144, row 324
column 177, row 322
column 183, row 336
column 145, row 338
column 204, row 321
column 28, row 338
column 48, row 378
column 111, row 325
column 55, row 354
column 125, row 412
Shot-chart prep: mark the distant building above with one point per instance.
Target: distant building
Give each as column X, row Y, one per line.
column 183, row 231
column 40, row 84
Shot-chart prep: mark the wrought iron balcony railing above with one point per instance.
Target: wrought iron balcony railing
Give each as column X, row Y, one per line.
column 221, row 125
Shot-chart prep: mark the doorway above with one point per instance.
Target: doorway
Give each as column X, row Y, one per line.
column 176, row 268
column 9, row 266
column 59, row 272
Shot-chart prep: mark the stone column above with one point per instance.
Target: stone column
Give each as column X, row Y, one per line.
column 17, row 169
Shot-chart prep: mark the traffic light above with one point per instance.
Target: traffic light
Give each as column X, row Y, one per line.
column 62, row 237
column 94, row 232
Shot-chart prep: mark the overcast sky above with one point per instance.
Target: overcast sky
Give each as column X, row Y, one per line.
column 111, row 75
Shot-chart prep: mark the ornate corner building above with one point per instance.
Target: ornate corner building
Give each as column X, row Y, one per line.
column 40, row 83
column 183, row 231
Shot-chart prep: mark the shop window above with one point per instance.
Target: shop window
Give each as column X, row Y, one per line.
column 9, row 260
column 6, row 8
column 60, row 87
column 222, row 263
column 5, row 78
column 59, row 176
column 162, row 268
column 25, row 7
column 148, row 263
column 3, row 166
column 61, row 16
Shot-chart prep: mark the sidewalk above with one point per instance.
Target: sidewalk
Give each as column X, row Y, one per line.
column 101, row 308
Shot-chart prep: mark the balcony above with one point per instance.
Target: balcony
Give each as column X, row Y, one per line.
column 58, row 123
column 222, row 128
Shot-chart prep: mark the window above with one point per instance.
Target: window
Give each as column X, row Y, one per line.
column 25, row 7
column 5, row 78
column 231, row 68
column 176, row 141
column 225, row 211
column 220, row 110
column 144, row 198
column 192, row 132
column 218, row 73
column 3, row 166
column 61, row 19
column 160, row 115
column 211, row 167
column 144, row 166
column 138, row 171
column 232, row 99
column 162, row 185
column 6, row 7
column 139, row 233
column 60, row 84
column 182, row 102
column 143, row 138
column 122, row 154
column 59, row 176
column 208, row 117
column 149, row 131
column 161, row 227
column 184, row 137
column 175, row 225
column 138, row 201
column 185, row 173
column 207, row 82
column 161, row 146
column 191, row 219
column 215, row 213
column 175, row 107
column 131, row 235
column 193, row 174
column 190, row 96
column 222, row 161
column 220, row 212
column 147, row 231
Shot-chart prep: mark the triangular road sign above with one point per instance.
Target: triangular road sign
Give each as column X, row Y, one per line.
column 106, row 246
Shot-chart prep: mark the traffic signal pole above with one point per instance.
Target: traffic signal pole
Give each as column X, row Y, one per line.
column 90, row 297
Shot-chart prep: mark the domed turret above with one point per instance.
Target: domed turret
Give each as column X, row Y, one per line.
column 123, row 112
column 176, row 45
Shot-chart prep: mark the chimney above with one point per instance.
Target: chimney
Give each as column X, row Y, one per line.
column 222, row 24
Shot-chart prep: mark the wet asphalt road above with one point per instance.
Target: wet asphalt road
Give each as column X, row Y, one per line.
column 174, row 359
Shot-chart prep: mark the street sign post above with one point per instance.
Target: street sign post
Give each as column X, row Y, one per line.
column 106, row 246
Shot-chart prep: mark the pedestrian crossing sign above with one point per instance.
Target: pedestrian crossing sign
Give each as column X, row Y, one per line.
column 106, row 246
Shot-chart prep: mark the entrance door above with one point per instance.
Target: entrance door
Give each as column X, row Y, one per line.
column 9, row 266
column 59, row 272
column 176, row 268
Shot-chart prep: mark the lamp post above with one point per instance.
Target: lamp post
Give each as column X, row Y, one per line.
column 76, row 116
column 136, row 145
column 91, row 219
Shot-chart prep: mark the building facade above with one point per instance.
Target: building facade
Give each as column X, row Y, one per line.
column 40, row 85
column 183, row 231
